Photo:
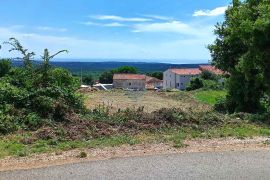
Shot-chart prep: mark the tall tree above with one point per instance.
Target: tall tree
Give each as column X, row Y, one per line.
column 242, row 48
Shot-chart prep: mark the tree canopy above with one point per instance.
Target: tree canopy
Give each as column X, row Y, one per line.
column 242, row 48
column 107, row 76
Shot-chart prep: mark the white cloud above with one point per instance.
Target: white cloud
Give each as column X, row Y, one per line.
column 113, row 24
column 119, row 18
column 172, row 27
column 47, row 28
column 103, row 48
column 215, row 12
column 158, row 17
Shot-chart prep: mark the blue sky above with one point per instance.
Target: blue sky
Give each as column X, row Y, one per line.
column 157, row 30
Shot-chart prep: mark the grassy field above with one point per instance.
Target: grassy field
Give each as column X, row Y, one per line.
column 209, row 97
column 197, row 101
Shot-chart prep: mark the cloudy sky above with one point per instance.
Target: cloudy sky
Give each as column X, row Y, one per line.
column 159, row 30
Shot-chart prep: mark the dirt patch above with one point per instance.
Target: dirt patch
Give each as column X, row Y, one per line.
column 199, row 145
column 150, row 100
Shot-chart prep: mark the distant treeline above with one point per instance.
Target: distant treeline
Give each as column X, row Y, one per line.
column 96, row 68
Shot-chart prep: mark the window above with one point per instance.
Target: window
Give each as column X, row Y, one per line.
column 129, row 84
column 177, row 84
column 182, row 84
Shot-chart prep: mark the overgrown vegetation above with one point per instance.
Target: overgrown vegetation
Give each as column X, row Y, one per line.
column 32, row 96
column 41, row 111
column 242, row 49
column 207, row 81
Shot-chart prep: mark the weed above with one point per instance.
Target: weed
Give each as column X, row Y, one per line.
column 82, row 155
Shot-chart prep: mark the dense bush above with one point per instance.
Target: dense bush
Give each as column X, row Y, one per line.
column 207, row 75
column 5, row 66
column 107, row 76
column 212, row 85
column 221, row 105
column 32, row 95
column 194, row 84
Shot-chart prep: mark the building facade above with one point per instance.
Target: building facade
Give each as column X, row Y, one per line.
column 179, row 78
column 129, row 81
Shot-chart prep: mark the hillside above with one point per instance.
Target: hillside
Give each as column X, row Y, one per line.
column 98, row 67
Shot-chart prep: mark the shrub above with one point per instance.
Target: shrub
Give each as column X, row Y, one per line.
column 195, row 84
column 221, row 105
column 264, row 118
column 5, row 66
column 212, row 85
column 32, row 93
column 207, row 75
column 82, row 155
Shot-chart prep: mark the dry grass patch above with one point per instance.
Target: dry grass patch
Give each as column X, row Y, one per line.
column 150, row 100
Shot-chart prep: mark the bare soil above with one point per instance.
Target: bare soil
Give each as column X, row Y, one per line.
column 198, row 145
column 150, row 100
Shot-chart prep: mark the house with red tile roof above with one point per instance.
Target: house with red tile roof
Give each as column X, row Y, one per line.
column 129, row 81
column 211, row 69
column 152, row 83
column 180, row 78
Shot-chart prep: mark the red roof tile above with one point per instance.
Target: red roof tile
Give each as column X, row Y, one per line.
column 150, row 79
column 211, row 69
column 189, row 71
column 129, row 77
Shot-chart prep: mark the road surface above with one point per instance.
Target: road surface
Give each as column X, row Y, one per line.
column 207, row 165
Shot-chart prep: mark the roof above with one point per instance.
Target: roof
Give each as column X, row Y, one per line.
column 211, row 69
column 129, row 77
column 188, row 71
column 150, row 79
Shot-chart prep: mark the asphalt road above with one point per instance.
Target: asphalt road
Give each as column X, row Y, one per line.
column 226, row 165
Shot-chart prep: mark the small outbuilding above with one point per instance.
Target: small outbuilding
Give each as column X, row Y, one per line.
column 129, row 81
column 153, row 83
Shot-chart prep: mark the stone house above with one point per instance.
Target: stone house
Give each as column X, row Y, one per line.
column 152, row 83
column 129, row 81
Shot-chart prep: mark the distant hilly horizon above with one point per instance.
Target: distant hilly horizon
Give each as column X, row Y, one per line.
column 134, row 60
column 87, row 67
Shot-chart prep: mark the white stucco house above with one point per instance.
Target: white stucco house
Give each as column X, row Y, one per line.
column 179, row 78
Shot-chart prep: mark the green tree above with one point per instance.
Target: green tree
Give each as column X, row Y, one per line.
column 242, row 48
column 207, row 75
column 5, row 67
column 194, row 84
column 88, row 79
column 107, row 76
column 158, row 75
